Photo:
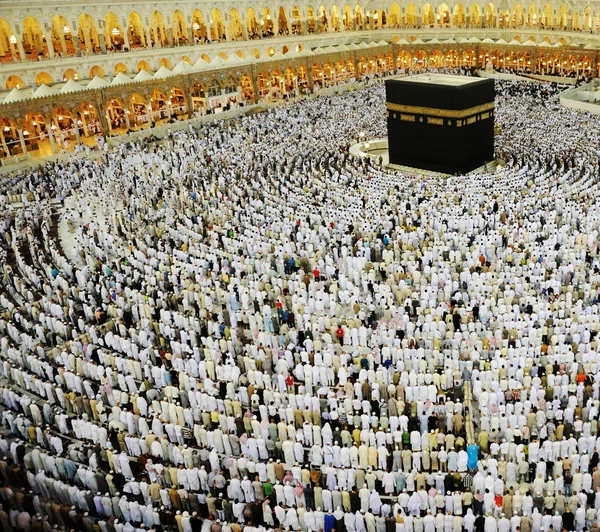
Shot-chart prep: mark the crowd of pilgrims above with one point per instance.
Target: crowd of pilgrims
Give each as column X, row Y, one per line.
column 246, row 328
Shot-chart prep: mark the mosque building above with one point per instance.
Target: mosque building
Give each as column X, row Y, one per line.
column 72, row 72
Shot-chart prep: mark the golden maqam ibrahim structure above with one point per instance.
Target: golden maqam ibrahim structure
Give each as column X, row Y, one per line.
column 71, row 70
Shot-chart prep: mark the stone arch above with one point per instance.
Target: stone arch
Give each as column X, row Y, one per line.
column 88, row 121
column 427, row 16
column 61, row 35
column 119, row 68
column 178, row 103
column 165, row 62
column 518, row 18
column 282, row 22
column 138, row 111
column 547, row 20
column 114, row 37
column 532, row 16
column 217, row 26
column 14, row 82
column 33, row 39
column 43, row 78
column 236, row 30
column 459, row 18
column 475, row 16
column 297, row 28
column 443, row 16
column 143, row 65
column 562, row 17
column 348, row 18
column 412, row 20
column 252, row 25
column 336, row 20
column 70, row 74
column 35, row 132
column 136, row 32
column 395, row 16
column 199, row 28
column 359, row 18
column 9, row 50
column 266, row 23
column 96, row 71
column 311, row 21
column 87, row 33
column 588, row 19
column 159, row 36
column 436, row 58
column 323, row 25
column 117, row 117
column 63, row 126
column 10, row 133
column 179, row 28
column 452, row 59
column 489, row 16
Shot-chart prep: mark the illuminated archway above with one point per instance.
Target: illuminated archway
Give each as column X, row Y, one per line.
column 88, row 120
column 459, row 19
column 114, row 37
column 282, row 22
column 336, row 20
column 311, row 22
column 236, row 30
column 562, row 18
column 395, row 17
column 8, row 43
column 323, row 25
column 136, row 32
column 119, row 68
column 139, row 112
column 427, row 16
column 199, row 29
column 179, row 28
column 588, row 21
column 70, row 74
column 35, row 134
column 10, row 134
column 297, row 28
column 547, row 20
column 34, row 40
column 64, row 128
column 489, row 16
column 412, row 20
column 518, row 18
column 443, row 16
column 61, row 35
column 348, row 18
column 475, row 16
column 89, row 40
column 143, row 65
column 96, row 71
column 266, row 23
column 358, row 18
column 14, row 82
column 43, row 78
column 159, row 35
column 532, row 16
column 252, row 25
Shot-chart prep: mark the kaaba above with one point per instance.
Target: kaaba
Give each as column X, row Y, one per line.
column 440, row 122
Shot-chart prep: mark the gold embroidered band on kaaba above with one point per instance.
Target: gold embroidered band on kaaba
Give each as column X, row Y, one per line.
column 445, row 113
